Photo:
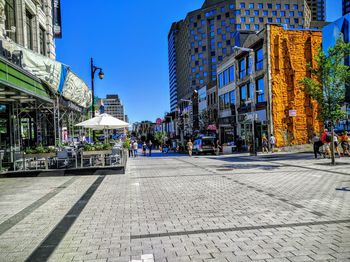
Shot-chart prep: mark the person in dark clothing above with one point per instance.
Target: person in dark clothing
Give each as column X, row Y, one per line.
column 317, row 144
column 150, row 148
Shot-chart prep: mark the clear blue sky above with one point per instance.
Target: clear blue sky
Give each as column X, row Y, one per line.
column 128, row 39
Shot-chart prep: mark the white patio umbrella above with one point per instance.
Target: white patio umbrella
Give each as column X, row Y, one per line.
column 103, row 122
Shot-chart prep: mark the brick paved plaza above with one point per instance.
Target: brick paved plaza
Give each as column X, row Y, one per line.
column 176, row 208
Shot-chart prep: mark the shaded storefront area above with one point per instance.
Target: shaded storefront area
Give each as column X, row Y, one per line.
column 40, row 102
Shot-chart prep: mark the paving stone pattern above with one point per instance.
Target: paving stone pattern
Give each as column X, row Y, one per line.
column 177, row 208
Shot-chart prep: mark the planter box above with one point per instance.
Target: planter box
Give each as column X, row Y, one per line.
column 101, row 152
column 40, row 155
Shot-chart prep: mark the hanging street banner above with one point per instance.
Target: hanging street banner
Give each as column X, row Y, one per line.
column 56, row 17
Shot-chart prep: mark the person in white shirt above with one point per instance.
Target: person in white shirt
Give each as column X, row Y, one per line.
column 135, row 146
column 272, row 142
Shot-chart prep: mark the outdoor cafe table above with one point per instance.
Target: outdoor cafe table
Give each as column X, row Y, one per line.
column 91, row 154
column 45, row 156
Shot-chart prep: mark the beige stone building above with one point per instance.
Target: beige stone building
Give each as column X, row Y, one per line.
column 28, row 23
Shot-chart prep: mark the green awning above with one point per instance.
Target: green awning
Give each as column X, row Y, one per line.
column 17, row 78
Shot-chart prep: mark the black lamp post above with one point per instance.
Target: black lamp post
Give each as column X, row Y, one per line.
column 100, row 75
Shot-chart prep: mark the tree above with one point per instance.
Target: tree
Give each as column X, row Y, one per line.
column 329, row 77
column 159, row 138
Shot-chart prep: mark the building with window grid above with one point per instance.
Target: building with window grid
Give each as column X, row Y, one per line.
column 209, row 34
column 318, row 9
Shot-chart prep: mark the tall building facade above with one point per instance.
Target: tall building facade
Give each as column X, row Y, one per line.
column 318, row 9
column 29, row 23
column 113, row 106
column 209, row 34
column 346, row 7
column 172, row 37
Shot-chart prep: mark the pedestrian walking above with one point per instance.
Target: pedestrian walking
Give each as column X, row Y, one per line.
column 135, row 146
column 150, row 148
column 217, row 147
column 336, row 144
column 326, row 140
column 272, row 143
column 344, row 140
column 144, row 148
column 317, row 143
column 264, row 143
column 189, row 147
column 131, row 149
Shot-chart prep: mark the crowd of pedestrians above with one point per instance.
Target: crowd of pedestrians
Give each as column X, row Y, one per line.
column 324, row 142
column 133, row 149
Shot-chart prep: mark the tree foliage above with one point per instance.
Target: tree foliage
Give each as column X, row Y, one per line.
column 329, row 78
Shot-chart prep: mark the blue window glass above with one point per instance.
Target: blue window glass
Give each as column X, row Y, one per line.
column 232, row 98
column 192, row 57
column 197, row 75
column 296, row 20
column 212, row 34
column 192, row 44
column 247, row 26
column 283, row 13
column 204, row 36
column 232, row 21
column 300, row 13
column 252, row 19
column 242, row 5
column 205, row 74
column 261, row 19
column 199, row 43
column 232, row 6
column 269, row 6
column 278, row 6
column 296, row 7
column 219, row 31
column 223, row 22
column 203, row 22
column 219, row 44
column 256, row 12
column 228, row 29
column 238, row 12
column 260, row 90
column 201, row 68
column 243, row 93
column 226, row 77
column 191, row 19
column 238, row 26
column 242, row 68
column 242, row 19
column 274, row 13
column 193, row 69
column 205, row 61
column 232, row 74
column 292, row 26
column 265, row 13
column 260, row 6
column 256, row 27
column 222, row 9
column 201, row 81
column 200, row 55
column 211, row 27
column 224, row 50
column 223, row 37
column 199, row 30
column 278, row 20
column 286, row 6
column 287, row 20
column 269, row 19
column 247, row 12
column 192, row 32
column 251, row 5
column 291, row 13
column 213, row 59
column 259, row 59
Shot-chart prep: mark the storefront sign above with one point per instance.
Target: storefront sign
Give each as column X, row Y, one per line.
column 56, row 17
column 16, row 57
column 292, row 113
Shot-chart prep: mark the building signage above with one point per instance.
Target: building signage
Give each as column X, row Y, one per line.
column 56, row 17
column 293, row 113
column 16, row 57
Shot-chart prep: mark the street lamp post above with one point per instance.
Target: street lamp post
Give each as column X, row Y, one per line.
column 100, row 75
column 253, row 102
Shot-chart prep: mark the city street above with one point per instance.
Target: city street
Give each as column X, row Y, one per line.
column 285, row 207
